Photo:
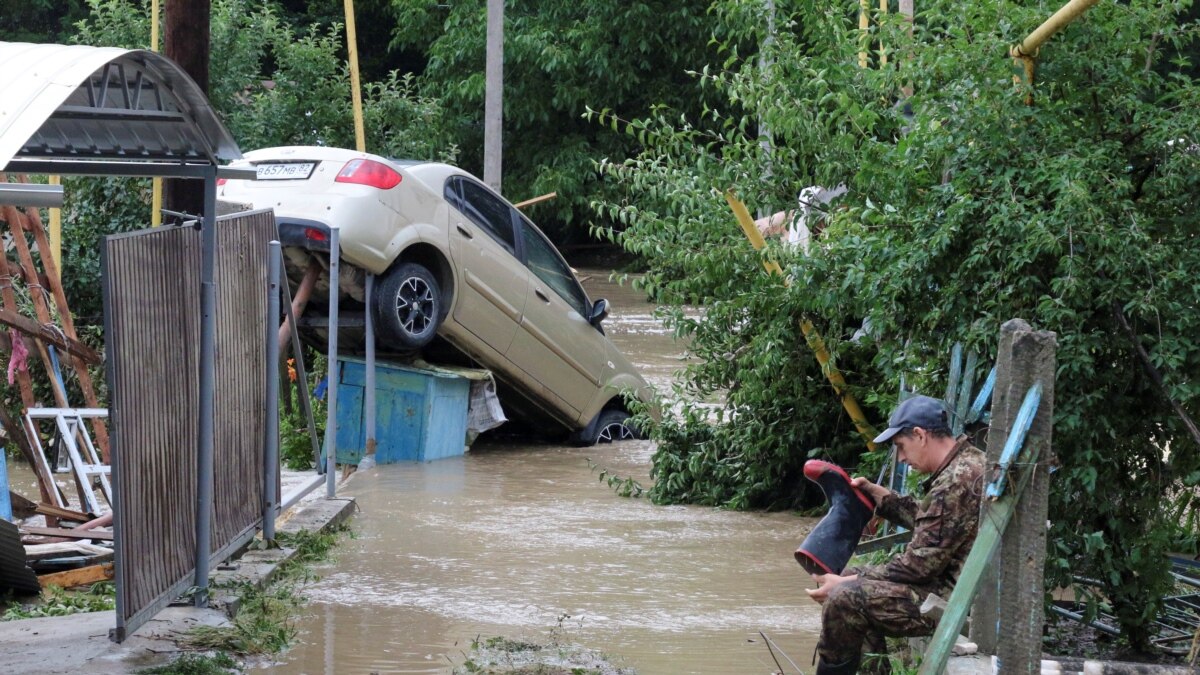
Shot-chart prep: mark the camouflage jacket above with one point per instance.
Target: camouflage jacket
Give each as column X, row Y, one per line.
column 944, row 525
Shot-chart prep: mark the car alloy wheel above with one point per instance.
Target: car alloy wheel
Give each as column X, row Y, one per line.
column 615, row 431
column 611, row 426
column 408, row 307
column 415, row 303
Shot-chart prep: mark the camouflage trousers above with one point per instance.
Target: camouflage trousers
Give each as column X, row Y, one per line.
column 859, row 614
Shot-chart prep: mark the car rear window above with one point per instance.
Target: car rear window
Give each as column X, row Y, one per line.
column 489, row 212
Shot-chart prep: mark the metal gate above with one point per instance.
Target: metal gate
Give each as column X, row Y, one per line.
column 152, row 330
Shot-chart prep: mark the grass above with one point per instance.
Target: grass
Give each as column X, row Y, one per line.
column 263, row 624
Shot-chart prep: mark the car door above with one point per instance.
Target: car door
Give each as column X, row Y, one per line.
column 491, row 282
column 555, row 343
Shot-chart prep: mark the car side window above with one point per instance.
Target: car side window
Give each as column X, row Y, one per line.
column 488, row 212
column 545, row 262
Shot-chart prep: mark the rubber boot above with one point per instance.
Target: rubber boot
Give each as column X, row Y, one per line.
column 845, row 668
column 828, row 548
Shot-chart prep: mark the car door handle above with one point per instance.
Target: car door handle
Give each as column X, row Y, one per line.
column 464, row 231
column 538, row 292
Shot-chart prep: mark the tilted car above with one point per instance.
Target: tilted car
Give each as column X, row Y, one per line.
column 453, row 260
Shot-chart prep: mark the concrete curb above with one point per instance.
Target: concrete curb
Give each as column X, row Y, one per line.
column 79, row 643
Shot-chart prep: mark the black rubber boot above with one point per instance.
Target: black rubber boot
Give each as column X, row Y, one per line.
column 828, row 548
column 846, row 668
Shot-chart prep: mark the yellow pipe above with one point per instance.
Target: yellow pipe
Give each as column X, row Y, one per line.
column 56, row 230
column 883, row 10
column 1065, row 15
column 360, row 138
column 814, row 339
column 156, row 186
column 863, row 24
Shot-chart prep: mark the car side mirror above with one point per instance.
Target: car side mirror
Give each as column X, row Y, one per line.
column 599, row 312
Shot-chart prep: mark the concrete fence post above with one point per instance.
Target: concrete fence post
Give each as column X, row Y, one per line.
column 1007, row 616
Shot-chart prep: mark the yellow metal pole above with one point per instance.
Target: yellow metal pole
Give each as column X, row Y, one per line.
column 814, row 339
column 360, row 138
column 1065, row 15
column 56, row 230
column 864, row 24
column 156, row 189
column 1026, row 52
column 883, row 10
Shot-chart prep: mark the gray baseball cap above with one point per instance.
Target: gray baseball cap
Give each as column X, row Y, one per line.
column 919, row 411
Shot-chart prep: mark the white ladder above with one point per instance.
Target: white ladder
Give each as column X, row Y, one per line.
column 85, row 461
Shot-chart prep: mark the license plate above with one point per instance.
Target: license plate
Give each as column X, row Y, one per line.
column 289, row 171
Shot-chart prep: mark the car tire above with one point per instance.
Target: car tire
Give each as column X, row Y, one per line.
column 408, row 307
column 609, row 426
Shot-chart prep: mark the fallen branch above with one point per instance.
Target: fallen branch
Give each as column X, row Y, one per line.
column 1155, row 376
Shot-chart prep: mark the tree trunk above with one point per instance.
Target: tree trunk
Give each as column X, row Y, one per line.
column 186, row 42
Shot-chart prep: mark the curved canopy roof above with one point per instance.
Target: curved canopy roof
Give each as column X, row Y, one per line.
column 74, row 109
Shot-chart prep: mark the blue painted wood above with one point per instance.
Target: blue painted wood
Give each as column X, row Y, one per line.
column 5, row 500
column 420, row 415
column 960, row 405
column 983, row 400
column 1016, row 439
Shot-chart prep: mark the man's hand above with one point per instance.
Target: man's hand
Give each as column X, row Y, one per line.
column 825, row 585
column 876, row 492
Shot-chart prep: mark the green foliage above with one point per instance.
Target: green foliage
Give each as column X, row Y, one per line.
column 39, row 20
column 219, row 663
column 507, row 656
column 624, row 487
column 295, row 442
column 55, row 601
column 1075, row 213
column 559, row 57
column 263, row 624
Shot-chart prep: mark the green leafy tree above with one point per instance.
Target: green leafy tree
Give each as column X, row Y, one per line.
column 1076, row 213
column 559, row 58
column 39, row 20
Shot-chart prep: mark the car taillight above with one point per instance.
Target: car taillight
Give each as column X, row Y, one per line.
column 222, row 181
column 314, row 234
column 369, row 172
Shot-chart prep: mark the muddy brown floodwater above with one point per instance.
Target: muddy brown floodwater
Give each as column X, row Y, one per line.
column 520, row 540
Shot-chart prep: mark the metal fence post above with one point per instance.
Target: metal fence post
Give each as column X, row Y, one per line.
column 333, row 370
column 271, row 444
column 207, row 393
column 1009, row 602
column 368, row 459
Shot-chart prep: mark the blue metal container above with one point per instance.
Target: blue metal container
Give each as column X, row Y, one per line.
column 420, row 415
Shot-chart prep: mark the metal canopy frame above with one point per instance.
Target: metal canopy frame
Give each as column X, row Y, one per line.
column 79, row 110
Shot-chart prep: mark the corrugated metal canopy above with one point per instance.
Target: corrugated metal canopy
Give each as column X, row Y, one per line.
column 77, row 104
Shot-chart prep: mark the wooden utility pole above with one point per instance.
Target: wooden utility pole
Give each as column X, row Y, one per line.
column 186, row 42
column 493, row 97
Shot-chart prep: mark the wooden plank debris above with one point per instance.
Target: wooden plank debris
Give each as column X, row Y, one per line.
column 79, row 577
column 62, row 513
column 70, row 533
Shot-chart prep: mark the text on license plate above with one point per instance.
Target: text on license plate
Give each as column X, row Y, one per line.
column 290, row 171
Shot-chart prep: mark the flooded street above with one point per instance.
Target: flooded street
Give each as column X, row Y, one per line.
column 524, row 541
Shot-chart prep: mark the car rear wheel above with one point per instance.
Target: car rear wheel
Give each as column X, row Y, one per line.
column 610, row 426
column 408, row 306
